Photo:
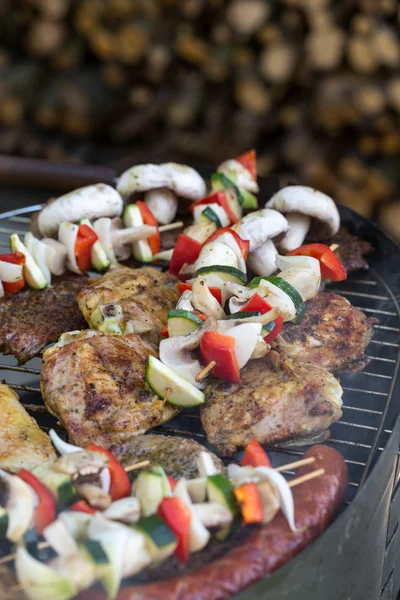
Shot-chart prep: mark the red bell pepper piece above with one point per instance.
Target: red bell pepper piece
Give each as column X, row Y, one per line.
column 244, row 245
column 149, row 219
column 216, row 292
column 331, row 267
column 16, row 258
column 164, row 331
column 216, row 346
column 84, row 242
column 248, row 161
column 217, row 198
column 276, row 330
column 172, row 482
column 258, row 304
column 120, row 483
column 186, row 250
column 178, row 517
column 82, row 506
column 255, row 456
column 45, row 512
column 250, row 503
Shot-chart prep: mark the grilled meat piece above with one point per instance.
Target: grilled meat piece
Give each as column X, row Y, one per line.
column 143, row 295
column 333, row 334
column 177, row 455
column 272, row 403
column 22, row 443
column 32, row 319
column 96, row 386
column 351, row 250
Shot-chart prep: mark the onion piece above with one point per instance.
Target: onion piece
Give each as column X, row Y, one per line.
column 173, row 355
column 2, row 294
column 56, row 256
column 205, row 464
column 228, row 239
column 204, row 301
column 9, row 273
column 164, row 255
column 39, row 253
column 216, row 253
column 303, row 280
column 185, row 301
column 290, row 262
column 67, row 235
column 198, row 534
column 61, row 446
column 105, row 480
column 246, row 339
column 125, row 509
column 277, row 297
column 285, row 493
column 103, row 228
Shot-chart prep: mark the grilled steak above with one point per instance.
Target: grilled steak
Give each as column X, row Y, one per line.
column 332, row 334
column 32, row 319
column 96, row 386
column 22, row 443
column 351, row 250
column 272, row 403
column 143, row 297
column 177, row 455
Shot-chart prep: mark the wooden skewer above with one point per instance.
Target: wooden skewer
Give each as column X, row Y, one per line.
column 139, row 465
column 171, row 226
column 306, row 477
column 297, row 463
column 200, row 376
column 167, row 394
column 334, row 247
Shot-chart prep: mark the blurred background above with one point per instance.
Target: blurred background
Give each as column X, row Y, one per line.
column 314, row 85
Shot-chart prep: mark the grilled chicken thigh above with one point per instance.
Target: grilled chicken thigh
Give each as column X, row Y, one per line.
column 96, row 386
column 177, row 455
column 135, row 298
column 333, row 334
column 22, row 443
column 274, row 402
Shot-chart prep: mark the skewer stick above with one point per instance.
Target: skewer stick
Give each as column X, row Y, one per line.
column 171, row 226
column 200, row 376
column 306, row 477
column 167, row 394
column 297, row 463
column 139, row 465
column 182, row 267
column 334, row 247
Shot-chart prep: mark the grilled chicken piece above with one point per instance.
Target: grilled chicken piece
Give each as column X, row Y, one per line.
column 142, row 297
column 22, row 443
column 333, row 334
column 32, row 319
column 177, row 455
column 96, row 386
column 272, row 403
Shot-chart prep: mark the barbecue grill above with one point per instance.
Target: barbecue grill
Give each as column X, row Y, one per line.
column 355, row 559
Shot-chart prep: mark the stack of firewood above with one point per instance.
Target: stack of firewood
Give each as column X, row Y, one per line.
column 313, row 84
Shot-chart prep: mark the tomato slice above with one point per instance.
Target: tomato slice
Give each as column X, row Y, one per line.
column 149, row 219
column 248, row 161
column 244, row 245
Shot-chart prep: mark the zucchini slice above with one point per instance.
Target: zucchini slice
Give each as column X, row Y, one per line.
column 220, row 490
column 243, row 315
column 32, row 273
column 219, row 181
column 132, row 217
column 209, row 214
column 3, row 523
column 293, row 294
column 182, row 322
column 149, row 487
column 161, row 378
column 224, row 272
column 160, row 540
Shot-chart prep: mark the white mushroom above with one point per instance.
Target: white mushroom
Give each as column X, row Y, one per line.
column 237, row 172
column 163, row 204
column 92, row 201
column 163, row 184
column 305, row 209
column 261, row 227
column 116, row 240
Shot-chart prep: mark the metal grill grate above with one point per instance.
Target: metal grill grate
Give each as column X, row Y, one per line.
column 368, row 413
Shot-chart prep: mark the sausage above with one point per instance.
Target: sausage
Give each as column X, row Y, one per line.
column 267, row 548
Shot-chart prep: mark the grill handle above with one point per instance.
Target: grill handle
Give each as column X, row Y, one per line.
column 52, row 174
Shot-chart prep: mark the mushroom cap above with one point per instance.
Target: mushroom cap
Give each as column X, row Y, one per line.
column 262, row 225
column 92, row 201
column 181, row 179
column 311, row 202
column 243, row 176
